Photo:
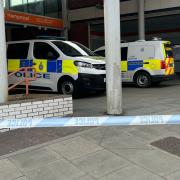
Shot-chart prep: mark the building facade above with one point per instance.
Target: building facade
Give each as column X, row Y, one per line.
column 86, row 20
column 27, row 19
column 162, row 20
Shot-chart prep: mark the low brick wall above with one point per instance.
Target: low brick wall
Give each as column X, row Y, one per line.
column 44, row 107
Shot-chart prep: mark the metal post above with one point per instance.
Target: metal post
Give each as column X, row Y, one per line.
column 141, row 10
column 3, row 59
column 113, row 56
column 65, row 18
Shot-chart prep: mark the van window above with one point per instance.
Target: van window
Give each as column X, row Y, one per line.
column 67, row 49
column 124, row 52
column 169, row 52
column 141, row 52
column 18, row 51
column 101, row 53
column 44, row 51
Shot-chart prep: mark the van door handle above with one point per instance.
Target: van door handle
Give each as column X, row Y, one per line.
column 34, row 64
column 146, row 63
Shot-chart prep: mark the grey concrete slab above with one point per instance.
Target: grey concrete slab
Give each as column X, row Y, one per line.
column 132, row 172
column 86, row 177
column 59, row 170
column 100, row 163
column 159, row 162
column 75, row 148
column 119, row 139
column 34, row 159
column 8, row 171
column 149, row 134
column 22, row 178
column 174, row 176
column 174, row 129
column 97, row 135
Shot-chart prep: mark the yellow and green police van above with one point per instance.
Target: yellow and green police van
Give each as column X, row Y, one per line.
column 62, row 66
column 145, row 62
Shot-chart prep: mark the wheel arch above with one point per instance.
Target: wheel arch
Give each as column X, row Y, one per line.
column 63, row 78
column 140, row 71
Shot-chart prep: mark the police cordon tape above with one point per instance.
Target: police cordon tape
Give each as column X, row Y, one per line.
column 91, row 121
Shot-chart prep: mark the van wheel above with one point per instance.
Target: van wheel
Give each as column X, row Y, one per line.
column 68, row 87
column 143, row 80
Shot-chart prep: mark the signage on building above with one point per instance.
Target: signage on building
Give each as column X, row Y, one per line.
column 29, row 19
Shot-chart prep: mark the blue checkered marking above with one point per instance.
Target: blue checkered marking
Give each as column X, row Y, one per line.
column 54, row 66
column 59, row 66
column 26, row 63
column 133, row 65
column 51, row 65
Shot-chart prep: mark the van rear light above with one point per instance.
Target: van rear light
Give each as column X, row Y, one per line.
column 163, row 64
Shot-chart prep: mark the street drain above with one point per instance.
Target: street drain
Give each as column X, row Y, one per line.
column 169, row 144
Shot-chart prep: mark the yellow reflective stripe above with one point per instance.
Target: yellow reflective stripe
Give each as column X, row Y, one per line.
column 40, row 65
column 164, row 51
column 169, row 70
column 68, row 67
column 124, row 66
column 13, row 65
column 152, row 64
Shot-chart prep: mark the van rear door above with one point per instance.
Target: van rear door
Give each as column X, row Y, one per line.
column 169, row 59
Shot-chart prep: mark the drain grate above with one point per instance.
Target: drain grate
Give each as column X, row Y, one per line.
column 169, row 144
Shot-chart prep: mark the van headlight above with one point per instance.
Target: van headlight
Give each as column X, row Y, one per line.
column 82, row 64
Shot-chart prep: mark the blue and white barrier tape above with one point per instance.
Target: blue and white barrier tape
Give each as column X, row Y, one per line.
column 91, row 121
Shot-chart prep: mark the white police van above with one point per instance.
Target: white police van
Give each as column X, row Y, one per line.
column 145, row 62
column 62, row 66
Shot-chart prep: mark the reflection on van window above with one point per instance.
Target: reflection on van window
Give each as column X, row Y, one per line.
column 73, row 49
column 67, row 49
column 88, row 51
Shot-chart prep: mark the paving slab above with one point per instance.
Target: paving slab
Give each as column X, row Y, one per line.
column 34, row 159
column 100, row 163
column 156, row 161
column 97, row 135
column 8, row 171
column 149, row 134
column 132, row 173
column 115, row 138
column 75, row 148
column 22, row 178
column 174, row 176
column 87, row 177
column 174, row 129
column 59, row 170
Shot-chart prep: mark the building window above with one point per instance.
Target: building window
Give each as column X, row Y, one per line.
column 49, row 8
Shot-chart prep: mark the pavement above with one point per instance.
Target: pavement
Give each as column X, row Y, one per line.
column 105, row 153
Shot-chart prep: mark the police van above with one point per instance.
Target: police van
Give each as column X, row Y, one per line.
column 145, row 62
column 61, row 66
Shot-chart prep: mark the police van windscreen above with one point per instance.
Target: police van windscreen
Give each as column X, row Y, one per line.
column 84, row 48
column 73, row 49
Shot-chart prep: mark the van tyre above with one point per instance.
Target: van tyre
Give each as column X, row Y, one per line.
column 68, row 87
column 143, row 80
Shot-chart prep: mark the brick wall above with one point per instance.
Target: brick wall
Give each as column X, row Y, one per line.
column 37, row 108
